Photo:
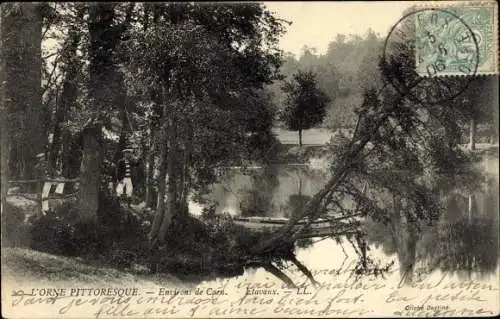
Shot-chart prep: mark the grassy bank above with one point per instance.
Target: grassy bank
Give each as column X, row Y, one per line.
column 291, row 154
column 195, row 249
column 28, row 265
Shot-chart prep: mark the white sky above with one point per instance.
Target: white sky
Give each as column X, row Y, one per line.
column 315, row 24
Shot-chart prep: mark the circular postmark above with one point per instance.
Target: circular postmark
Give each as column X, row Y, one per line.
column 430, row 55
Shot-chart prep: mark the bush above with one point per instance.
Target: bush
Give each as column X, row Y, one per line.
column 51, row 233
column 14, row 230
column 117, row 238
column 208, row 246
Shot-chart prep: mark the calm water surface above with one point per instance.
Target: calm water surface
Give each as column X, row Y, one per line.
column 464, row 243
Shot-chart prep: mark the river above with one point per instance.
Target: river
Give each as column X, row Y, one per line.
column 463, row 244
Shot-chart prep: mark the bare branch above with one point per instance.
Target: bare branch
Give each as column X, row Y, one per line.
column 50, row 79
column 278, row 273
column 48, row 56
column 304, row 270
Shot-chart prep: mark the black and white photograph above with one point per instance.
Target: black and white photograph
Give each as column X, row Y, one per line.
column 305, row 159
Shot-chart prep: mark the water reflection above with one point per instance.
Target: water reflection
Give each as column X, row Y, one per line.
column 258, row 199
column 463, row 241
column 272, row 191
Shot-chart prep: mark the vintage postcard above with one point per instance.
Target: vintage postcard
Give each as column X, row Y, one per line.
column 249, row 160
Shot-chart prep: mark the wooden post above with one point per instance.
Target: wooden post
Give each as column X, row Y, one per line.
column 39, row 188
column 471, row 205
column 472, row 135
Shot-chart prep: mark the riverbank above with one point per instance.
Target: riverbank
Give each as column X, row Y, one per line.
column 24, row 265
column 196, row 249
column 294, row 154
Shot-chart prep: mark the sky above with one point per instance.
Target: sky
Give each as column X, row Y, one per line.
column 317, row 23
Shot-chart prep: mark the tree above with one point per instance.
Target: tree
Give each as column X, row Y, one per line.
column 205, row 75
column 367, row 74
column 348, row 67
column 66, row 101
column 401, row 148
column 305, row 103
column 21, row 37
column 103, row 88
column 477, row 105
column 4, row 132
column 308, row 58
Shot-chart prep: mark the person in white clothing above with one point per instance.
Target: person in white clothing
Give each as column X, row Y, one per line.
column 43, row 173
column 124, row 176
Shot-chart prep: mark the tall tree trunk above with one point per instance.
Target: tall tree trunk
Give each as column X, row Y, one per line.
column 72, row 155
column 22, row 38
column 182, row 189
column 495, row 137
column 103, row 41
column 71, row 159
column 122, row 142
column 171, row 182
column 300, row 186
column 405, row 238
column 68, row 97
column 14, row 170
column 150, row 167
column 118, row 89
column 171, row 201
column 472, row 134
column 4, row 132
column 121, row 101
column 90, row 174
column 160, row 205
column 146, row 165
column 163, row 149
column 187, row 163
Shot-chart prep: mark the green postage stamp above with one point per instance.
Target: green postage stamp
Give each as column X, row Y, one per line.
column 457, row 39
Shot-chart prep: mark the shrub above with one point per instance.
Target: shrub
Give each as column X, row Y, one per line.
column 51, row 233
column 14, row 230
column 116, row 237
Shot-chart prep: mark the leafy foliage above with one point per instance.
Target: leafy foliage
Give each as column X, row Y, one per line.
column 226, row 115
column 305, row 103
column 347, row 68
column 397, row 163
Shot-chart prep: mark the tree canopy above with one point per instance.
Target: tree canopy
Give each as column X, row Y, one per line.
column 305, row 104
